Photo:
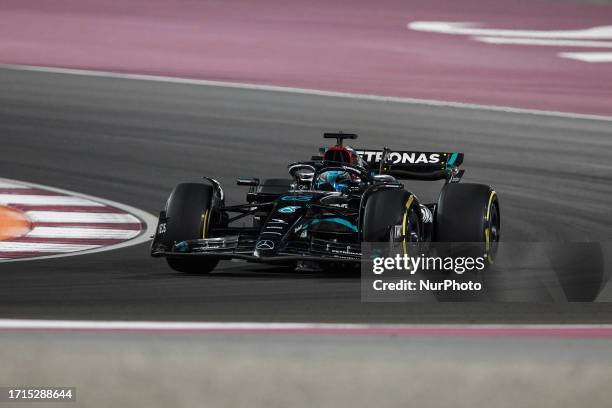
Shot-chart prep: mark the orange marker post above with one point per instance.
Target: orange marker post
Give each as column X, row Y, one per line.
column 13, row 224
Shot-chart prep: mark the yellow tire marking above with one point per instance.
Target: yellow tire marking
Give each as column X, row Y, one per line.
column 408, row 204
column 487, row 232
column 493, row 194
column 204, row 225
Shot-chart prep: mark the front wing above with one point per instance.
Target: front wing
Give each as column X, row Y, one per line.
column 244, row 247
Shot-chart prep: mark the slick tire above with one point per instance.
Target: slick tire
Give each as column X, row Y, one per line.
column 469, row 213
column 384, row 210
column 188, row 217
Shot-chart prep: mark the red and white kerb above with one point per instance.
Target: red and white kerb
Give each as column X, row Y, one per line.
column 37, row 221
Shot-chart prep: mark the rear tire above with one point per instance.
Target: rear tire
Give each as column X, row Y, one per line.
column 469, row 213
column 188, row 213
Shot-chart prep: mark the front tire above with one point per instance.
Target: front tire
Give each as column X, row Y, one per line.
column 188, row 214
column 383, row 211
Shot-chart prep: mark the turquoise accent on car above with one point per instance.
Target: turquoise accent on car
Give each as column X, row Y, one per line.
column 289, row 209
column 302, row 198
column 451, row 161
column 340, row 221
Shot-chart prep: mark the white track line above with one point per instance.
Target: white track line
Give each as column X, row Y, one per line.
column 151, row 325
column 302, row 91
column 169, row 325
column 46, row 200
column 79, row 232
column 500, row 330
column 9, row 184
column 85, row 217
column 8, row 246
column 473, row 29
column 136, row 216
column 545, row 42
column 588, row 56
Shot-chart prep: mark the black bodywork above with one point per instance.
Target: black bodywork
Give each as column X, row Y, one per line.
column 298, row 221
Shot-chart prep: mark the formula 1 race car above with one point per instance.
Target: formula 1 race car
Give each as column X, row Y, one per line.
column 330, row 206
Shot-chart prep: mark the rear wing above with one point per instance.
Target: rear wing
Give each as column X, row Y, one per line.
column 410, row 165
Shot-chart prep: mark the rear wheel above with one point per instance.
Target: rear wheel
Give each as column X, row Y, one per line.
column 469, row 213
column 188, row 213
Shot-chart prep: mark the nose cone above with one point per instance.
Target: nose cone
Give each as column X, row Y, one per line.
column 289, row 209
column 265, row 247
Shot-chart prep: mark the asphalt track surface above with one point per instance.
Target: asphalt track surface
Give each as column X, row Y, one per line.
column 131, row 141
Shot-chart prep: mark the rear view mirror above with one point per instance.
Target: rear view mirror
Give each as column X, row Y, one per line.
column 247, row 181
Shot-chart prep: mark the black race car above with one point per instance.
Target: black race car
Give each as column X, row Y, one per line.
column 331, row 204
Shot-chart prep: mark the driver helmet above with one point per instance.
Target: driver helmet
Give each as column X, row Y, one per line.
column 342, row 154
column 333, row 180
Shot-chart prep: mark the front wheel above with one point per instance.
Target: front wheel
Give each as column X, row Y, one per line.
column 387, row 209
column 189, row 216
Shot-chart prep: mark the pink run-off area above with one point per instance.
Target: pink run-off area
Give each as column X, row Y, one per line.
column 354, row 46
